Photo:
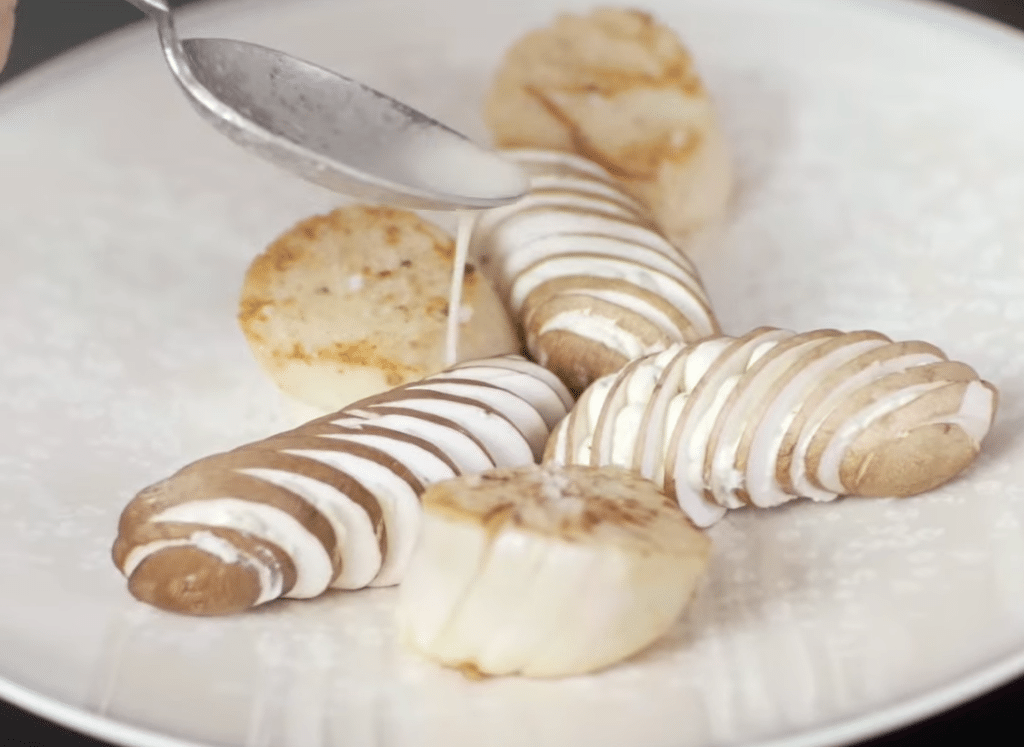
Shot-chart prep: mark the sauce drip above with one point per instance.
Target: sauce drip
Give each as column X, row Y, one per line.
column 467, row 221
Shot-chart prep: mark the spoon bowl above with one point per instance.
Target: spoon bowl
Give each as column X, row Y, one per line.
column 330, row 129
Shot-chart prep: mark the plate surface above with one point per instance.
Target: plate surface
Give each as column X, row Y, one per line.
column 881, row 174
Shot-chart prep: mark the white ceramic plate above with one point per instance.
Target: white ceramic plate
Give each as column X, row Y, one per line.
column 881, row 181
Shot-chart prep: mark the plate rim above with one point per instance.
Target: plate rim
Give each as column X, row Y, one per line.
column 972, row 684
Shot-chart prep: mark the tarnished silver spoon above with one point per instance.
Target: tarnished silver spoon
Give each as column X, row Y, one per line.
column 331, row 129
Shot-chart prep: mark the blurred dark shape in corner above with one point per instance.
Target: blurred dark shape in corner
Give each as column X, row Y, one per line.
column 46, row 27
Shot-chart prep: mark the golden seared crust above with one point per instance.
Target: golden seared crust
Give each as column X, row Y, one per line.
column 572, row 503
column 619, row 88
column 547, row 571
column 352, row 303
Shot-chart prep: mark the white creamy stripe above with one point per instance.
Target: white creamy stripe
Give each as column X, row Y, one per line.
column 798, row 468
column 528, row 368
column 399, row 504
column 356, row 540
column 425, row 465
column 492, row 220
column 467, row 455
column 651, row 449
column 762, row 486
column 504, row 443
column 560, row 267
column 599, row 329
column 689, row 423
column 312, row 562
column 697, row 448
column 581, row 184
column 725, row 475
column 701, row 357
column 638, row 306
column 626, row 423
column 538, row 393
column 839, row 444
column 589, row 408
column 522, row 414
column 526, row 228
column 977, row 409
column 597, row 249
column 549, row 159
column 270, row 579
column 140, row 552
column 560, row 453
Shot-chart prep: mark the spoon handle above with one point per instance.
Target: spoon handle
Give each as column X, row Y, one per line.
column 152, row 7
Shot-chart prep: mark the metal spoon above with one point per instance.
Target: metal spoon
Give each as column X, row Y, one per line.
column 330, row 129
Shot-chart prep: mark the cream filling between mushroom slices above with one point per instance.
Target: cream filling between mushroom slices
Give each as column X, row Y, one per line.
column 761, row 484
column 606, row 332
column 572, row 182
column 798, row 473
column 270, row 578
column 557, row 197
column 699, row 360
column 523, row 229
column 576, row 192
column 638, row 306
column 726, row 479
column 525, row 226
column 698, row 442
column 536, row 392
column 579, row 184
column 399, row 504
column 313, row 567
column 427, row 467
column 542, row 159
column 357, row 541
column 628, row 423
column 670, row 288
column 558, row 451
column 596, row 394
column 505, row 444
column 520, row 412
column 269, row 574
column 977, row 399
column 624, row 425
column 468, row 455
column 596, row 248
column 835, row 451
column 694, row 425
column 629, row 419
column 648, row 456
column 529, row 370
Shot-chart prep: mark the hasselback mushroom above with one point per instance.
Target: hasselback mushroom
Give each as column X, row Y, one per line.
column 586, row 274
column 774, row 415
column 333, row 503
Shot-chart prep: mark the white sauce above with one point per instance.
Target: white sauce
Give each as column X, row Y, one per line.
column 465, row 233
column 313, row 566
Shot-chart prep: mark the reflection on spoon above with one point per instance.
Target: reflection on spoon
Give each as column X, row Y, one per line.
column 330, row 129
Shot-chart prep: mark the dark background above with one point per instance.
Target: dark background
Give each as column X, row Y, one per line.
column 48, row 27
